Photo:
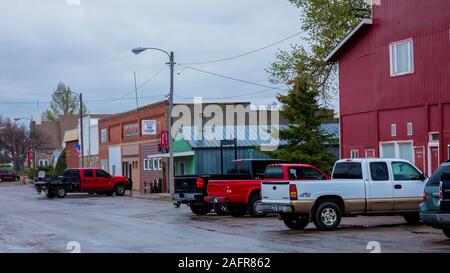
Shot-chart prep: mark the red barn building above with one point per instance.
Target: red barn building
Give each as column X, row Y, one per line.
column 394, row 82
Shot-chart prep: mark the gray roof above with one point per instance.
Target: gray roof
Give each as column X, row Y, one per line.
column 247, row 136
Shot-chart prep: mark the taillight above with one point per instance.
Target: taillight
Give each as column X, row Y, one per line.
column 200, row 183
column 424, row 197
column 293, row 192
column 441, row 192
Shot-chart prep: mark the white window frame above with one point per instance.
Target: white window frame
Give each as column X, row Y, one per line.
column 448, row 152
column 410, row 129
column 160, row 164
column 397, row 149
column 393, row 57
column 370, row 150
column 145, row 164
column 44, row 163
column 393, row 130
column 104, row 135
column 150, row 164
column 354, row 152
column 155, row 164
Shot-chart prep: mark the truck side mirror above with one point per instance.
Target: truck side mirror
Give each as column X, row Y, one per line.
column 423, row 177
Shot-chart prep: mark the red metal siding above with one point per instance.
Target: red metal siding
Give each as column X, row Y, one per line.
column 368, row 90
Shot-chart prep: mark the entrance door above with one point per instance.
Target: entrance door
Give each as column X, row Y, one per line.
column 419, row 157
column 434, row 159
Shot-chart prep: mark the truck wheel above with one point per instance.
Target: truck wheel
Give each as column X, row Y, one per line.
column 61, row 193
column 50, row 195
column 221, row 210
column 201, row 210
column 327, row 216
column 252, row 206
column 238, row 211
column 413, row 219
column 295, row 222
column 446, row 232
column 17, row 179
column 119, row 189
column 1, row 179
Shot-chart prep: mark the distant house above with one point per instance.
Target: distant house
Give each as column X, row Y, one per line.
column 72, row 150
column 394, row 81
column 47, row 154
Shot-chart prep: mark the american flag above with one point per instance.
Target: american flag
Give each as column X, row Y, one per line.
column 77, row 150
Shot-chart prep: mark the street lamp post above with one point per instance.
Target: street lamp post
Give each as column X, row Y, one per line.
column 171, row 56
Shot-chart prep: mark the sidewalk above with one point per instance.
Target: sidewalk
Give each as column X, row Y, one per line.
column 166, row 197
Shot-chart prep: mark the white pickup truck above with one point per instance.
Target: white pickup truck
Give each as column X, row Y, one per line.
column 357, row 187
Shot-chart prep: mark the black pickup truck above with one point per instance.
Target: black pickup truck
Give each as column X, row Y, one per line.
column 191, row 190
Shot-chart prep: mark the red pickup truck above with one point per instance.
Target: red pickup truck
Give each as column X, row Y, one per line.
column 242, row 196
column 83, row 180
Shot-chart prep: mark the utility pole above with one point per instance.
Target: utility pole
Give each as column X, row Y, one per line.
column 81, row 131
column 171, row 55
column 13, row 150
column 171, row 159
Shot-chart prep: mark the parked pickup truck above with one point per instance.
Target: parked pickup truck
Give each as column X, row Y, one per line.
column 192, row 190
column 83, row 180
column 435, row 209
column 358, row 187
column 243, row 195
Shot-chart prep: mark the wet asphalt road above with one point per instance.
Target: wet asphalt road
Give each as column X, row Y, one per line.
column 33, row 223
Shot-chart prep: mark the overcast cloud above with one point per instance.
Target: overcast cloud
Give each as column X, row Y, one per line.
column 88, row 47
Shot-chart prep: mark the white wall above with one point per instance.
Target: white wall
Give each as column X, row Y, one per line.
column 115, row 161
column 90, row 138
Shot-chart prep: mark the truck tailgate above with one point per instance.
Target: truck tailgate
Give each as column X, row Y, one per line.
column 217, row 188
column 275, row 192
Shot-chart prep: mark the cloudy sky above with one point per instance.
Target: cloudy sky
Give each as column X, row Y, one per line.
column 88, row 47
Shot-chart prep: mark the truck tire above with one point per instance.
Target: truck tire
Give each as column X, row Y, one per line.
column 119, row 189
column 238, row 211
column 1, row 179
column 413, row 219
column 201, row 209
column 252, row 206
column 447, row 232
column 221, row 209
column 327, row 216
column 50, row 195
column 61, row 192
column 295, row 222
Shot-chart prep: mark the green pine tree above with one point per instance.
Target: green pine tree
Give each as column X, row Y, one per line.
column 307, row 142
column 61, row 164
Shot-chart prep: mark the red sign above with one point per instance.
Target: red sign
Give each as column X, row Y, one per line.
column 30, row 155
column 165, row 139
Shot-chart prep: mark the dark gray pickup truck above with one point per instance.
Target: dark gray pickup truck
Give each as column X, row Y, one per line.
column 191, row 190
column 435, row 209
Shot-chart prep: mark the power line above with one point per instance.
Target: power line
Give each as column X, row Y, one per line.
column 234, row 79
column 246, row 53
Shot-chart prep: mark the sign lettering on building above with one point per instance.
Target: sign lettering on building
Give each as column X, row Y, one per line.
column 149, row 128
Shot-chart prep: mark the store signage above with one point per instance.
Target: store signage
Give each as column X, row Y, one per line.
column 149, row 128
